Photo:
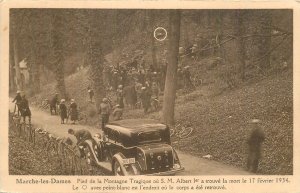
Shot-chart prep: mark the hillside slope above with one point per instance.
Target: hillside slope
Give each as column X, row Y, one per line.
column 221, row 119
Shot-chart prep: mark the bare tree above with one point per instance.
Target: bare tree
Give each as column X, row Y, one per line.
column 240, row 31
column 152, row 18
column 170, row 85
column 58, row 53
column 14, row 28
column 94, row 55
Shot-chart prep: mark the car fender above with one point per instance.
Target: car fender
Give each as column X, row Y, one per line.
column 119, row 157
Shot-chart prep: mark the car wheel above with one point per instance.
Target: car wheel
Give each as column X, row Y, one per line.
column 117, row 169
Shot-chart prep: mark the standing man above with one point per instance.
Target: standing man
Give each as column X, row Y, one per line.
column 73, row 111
column 18, row 100
column 146, row 96
column 63, row 111
column 187, row 78
column 91, row 94
column 138, row 89
column 53, row 104
column 25, row 110
column 255, row 141
column 104, row 111
column 120, row 96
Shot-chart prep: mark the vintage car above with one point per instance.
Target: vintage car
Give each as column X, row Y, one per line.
column 134, row 147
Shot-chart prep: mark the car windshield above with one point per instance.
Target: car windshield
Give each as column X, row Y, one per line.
column 149, row 136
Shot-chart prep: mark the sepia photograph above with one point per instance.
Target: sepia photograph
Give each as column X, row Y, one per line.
column 158, row 92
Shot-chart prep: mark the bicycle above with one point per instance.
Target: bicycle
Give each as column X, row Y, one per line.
column 52, row 147
column 181, row 131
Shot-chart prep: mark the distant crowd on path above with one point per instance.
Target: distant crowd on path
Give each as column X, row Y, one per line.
column 152, row 76
column 134, row 84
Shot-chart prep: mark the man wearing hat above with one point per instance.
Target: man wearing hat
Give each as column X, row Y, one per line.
column 255, row 141
column 104, row 110
column 53, row 103
column 24, row 108
column 17, row 99
column 73, row 111
column 63, row 111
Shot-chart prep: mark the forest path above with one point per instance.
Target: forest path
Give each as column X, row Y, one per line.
column 193, row 165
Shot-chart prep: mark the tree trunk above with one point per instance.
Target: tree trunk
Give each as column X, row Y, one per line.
column 260, row 26
column 115, row 40
column 170, row 85
column 20, row 85
column 12, row 85
column 240, row 31
column 57, row 46
column 95, row 56
column 264, row 43
column 153, row 47
column 35, row 68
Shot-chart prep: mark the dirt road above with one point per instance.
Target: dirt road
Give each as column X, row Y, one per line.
column 193, row 165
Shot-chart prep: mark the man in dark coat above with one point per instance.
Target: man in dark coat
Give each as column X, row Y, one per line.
column 120, row 96
column 105, row 112
column 187, row 78
column 255, row 141
column 73, row 111
column 130, row 95
column 18, row 99
column 63, row 111
column 53, row 103
column 145, row 97
column 25, row 110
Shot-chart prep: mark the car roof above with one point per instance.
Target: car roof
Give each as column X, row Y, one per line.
column 136, row 125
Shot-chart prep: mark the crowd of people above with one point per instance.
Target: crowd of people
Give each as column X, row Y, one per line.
column 64, row 112
column 135, row 85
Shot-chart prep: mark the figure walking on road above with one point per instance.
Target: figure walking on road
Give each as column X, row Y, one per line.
column 18, row 100
column 53, row 104
column 91, row 94
column 63, row 111
column 104, row 110
column 254, row 144
column 73, row 112
column 25, row 110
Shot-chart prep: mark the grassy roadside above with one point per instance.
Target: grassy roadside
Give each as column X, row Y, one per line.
column 24, row 159
column 221, row 123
